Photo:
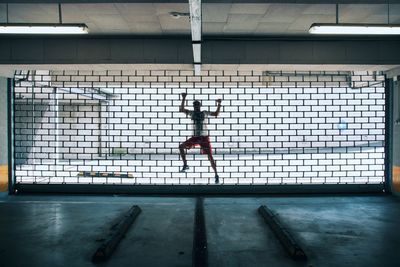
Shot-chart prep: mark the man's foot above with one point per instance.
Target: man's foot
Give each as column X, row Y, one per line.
column 184, row 168
column 216, row 179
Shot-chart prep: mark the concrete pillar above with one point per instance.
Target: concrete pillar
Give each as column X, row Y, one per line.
column 3, row 135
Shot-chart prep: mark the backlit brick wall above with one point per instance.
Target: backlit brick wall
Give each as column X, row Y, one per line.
column 303, row 127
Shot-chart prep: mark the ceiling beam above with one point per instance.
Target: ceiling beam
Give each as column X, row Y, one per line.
column 178, row 50
column 301, row 51
column 207, row 1
column 95, row 50
column 196, row 30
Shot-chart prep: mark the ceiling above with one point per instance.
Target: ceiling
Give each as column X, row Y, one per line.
column 218, row 18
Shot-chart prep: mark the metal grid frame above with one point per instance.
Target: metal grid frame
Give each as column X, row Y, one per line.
column 273, row 110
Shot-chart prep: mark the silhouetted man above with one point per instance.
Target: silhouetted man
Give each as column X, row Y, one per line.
column 200, row 135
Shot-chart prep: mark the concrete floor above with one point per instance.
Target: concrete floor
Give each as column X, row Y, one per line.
column 66, row 230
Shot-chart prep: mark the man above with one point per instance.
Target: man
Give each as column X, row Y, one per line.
column 200, row 135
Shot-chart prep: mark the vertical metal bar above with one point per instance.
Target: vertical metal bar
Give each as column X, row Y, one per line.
column 397, row 121
column 59, row 13
column 337, row 13
column 33, row 159
column 106, row 133
column 7, row 12
column 57, row 122
column 388, row 134
column 10, row 136
column 100, row 127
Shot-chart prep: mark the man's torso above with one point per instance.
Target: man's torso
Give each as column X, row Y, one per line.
column 199, row 122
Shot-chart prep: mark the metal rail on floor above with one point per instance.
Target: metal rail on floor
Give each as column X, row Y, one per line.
column 106, row 249
column 282, row 233
column 200, row 254
column 200, row 189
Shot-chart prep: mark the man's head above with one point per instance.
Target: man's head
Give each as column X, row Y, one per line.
column 196, row 105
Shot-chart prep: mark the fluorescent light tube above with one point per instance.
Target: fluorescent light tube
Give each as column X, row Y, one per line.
column 355, row 29
column 19, row 28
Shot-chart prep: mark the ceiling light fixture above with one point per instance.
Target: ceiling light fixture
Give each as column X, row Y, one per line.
column 42, row 28
column 18, row 28
column 355, row 29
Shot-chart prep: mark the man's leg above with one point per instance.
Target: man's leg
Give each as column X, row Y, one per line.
column 182, row 147
column 206, row 147
column 212, row 161
column 213, row 165
column 183, row 154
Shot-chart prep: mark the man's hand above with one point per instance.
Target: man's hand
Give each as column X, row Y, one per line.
column 216, row 113
column 183, row 95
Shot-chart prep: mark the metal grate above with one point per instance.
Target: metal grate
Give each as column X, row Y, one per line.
column 124, row 127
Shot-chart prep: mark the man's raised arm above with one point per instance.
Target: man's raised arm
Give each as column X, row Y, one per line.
column 182, row 107
column 216, row 113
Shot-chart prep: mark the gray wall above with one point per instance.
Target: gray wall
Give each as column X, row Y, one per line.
column 3, row 135
column 396, row 140
column 3, row 121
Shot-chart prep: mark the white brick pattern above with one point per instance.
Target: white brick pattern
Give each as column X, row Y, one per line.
column 286, row 128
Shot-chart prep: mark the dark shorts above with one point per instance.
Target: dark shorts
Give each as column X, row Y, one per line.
column 202, row 141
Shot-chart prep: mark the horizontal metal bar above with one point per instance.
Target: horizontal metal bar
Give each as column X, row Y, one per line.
column 106, row 174
column 200, row 189
column 84, row 92
column 106, row 249
column 213, row 1
column 283, row 235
